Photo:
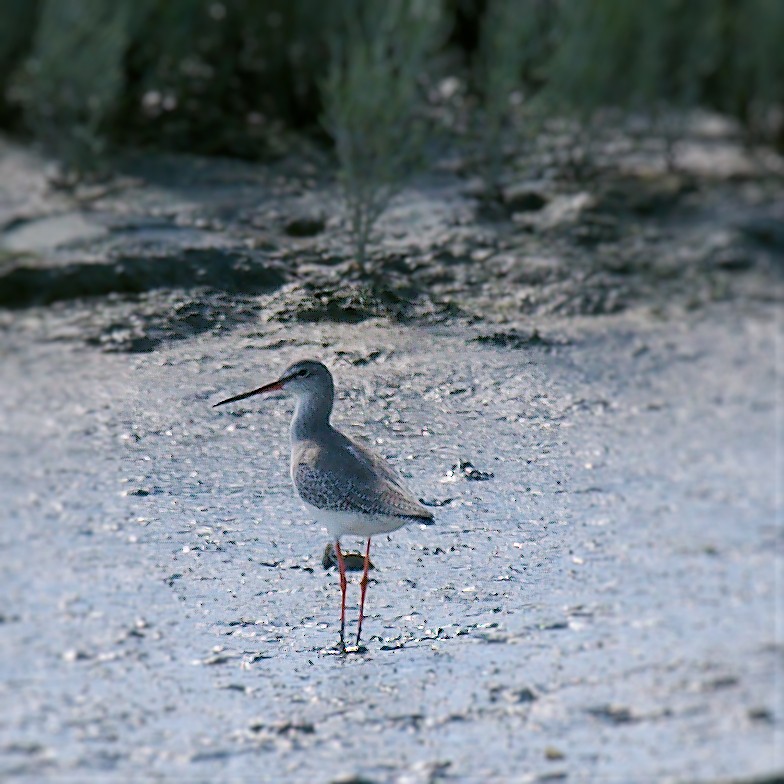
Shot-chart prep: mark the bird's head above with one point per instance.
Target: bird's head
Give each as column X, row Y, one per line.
column 306, row 378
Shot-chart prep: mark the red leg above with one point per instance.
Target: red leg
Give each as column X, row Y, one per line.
column 363, row 584
column 343, row 583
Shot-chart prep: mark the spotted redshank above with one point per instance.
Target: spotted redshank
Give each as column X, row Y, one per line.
column 346, row 487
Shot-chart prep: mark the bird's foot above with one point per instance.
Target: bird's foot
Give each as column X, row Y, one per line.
column 338, row 649
column 341, row 649
column 356, row 649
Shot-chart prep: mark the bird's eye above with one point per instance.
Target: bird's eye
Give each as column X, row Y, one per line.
column 302, row 373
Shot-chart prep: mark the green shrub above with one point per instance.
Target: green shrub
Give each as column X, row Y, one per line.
column 372, row 103
column 666, row 54
column 223, row 76
column 513, row 43
column 749, row 80
column 73, row 79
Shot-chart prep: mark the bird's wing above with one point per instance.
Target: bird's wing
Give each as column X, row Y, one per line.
column 365, row 484
column 374, row 463
column 324, row 490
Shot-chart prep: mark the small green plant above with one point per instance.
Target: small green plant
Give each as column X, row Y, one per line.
column 74, row 77
column 16, row 33
column 372, row 104
column 513, row 39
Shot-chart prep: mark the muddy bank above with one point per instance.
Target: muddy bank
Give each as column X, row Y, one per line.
column 583, row 385
column 626, row 233
column 602, row 607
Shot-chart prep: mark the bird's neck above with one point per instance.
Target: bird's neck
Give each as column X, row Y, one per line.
column 311, row 414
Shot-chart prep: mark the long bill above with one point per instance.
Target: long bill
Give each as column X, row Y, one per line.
column 273, row 387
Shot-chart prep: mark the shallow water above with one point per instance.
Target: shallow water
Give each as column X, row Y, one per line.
column 603, row 608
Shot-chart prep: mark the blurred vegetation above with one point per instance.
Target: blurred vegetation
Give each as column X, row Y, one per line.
column 372, row 105
column 669, row 54
column 513, row 43
column 235, row 76
column 74, row 77
column 188, row 75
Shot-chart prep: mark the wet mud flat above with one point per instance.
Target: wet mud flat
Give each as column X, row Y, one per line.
column 602, row 608
column 169, row 247
column 591, row 411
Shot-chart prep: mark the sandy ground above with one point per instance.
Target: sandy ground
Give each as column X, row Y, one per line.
column 602, row 609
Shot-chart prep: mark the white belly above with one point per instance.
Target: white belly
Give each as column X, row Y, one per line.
column 352, row 523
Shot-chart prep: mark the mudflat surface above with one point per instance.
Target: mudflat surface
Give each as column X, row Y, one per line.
column 604, row 607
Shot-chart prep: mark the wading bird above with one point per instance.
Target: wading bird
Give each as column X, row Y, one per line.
column 346, row 487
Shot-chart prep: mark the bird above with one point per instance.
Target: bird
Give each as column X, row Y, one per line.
column 347, row 487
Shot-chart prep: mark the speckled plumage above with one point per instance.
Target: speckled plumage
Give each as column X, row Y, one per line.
column 336, row 474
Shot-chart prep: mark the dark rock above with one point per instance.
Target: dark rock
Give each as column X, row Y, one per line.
column 733, row 260
column 559, row 775
column 595, row 228
column 467, row 470
column 766, row 231
column 761, row 715
column 355, row 562
column 614, row 714
column 305, row 226
column 524, row 695
column 721, row 682
column 516, row 340
column 283, row 728
column 554, row 626
column 25, row 283
column 523, row 198
column 436, row 502
column 644, row 197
